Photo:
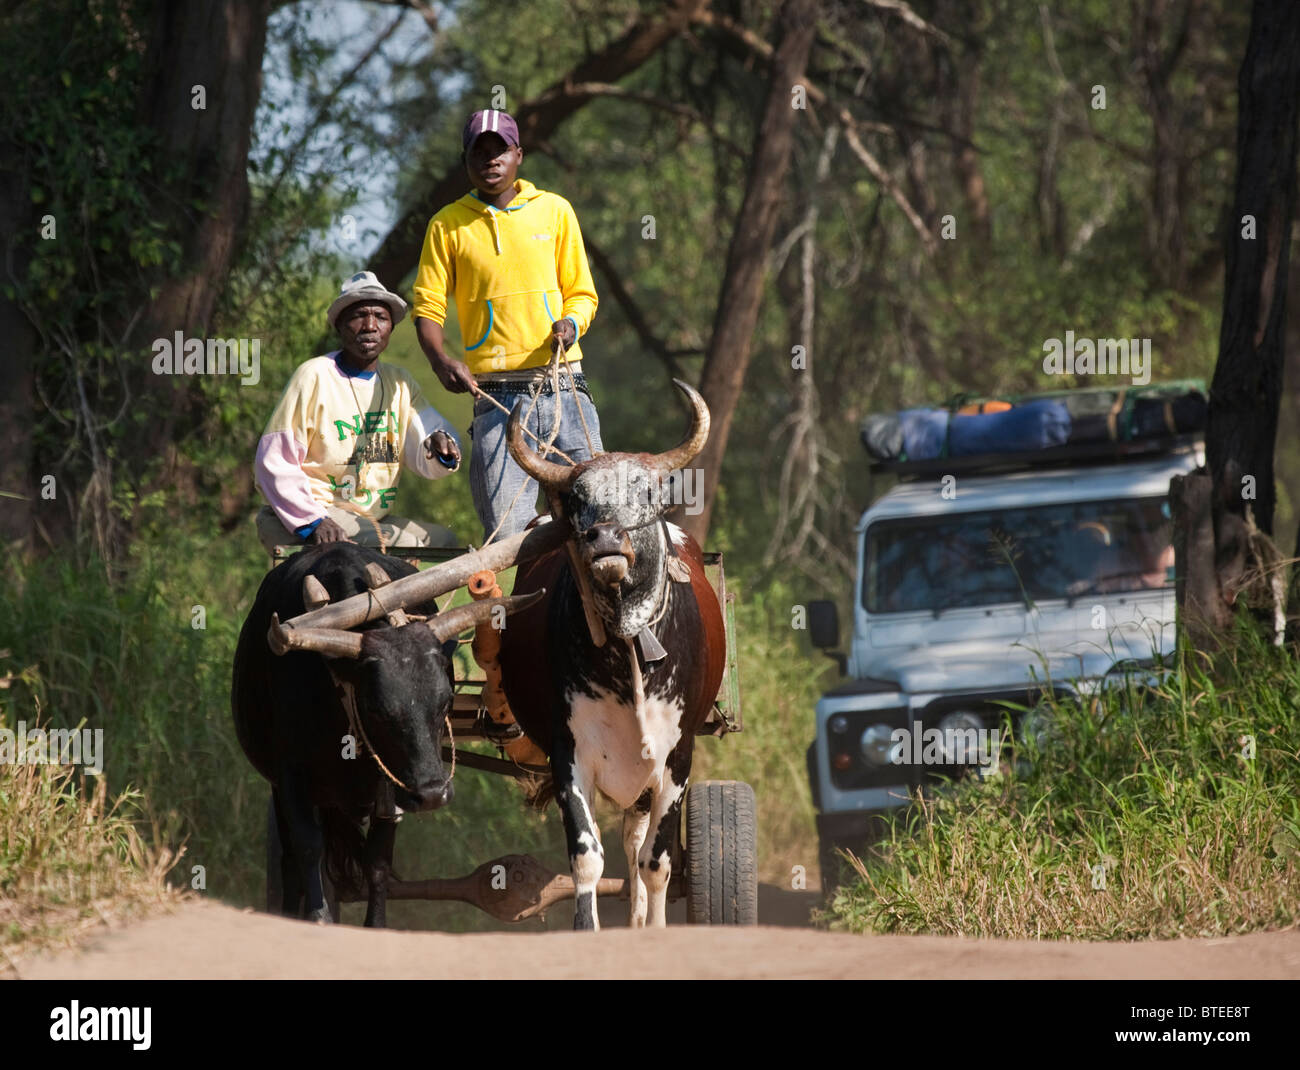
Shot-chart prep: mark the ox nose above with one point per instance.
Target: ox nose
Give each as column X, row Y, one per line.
column 605, row 539
column 435, row 797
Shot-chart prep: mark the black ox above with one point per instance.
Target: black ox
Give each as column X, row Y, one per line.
column 346, row 725
column 619, row 718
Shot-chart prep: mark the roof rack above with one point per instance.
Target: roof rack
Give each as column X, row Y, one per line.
column 1054, row 457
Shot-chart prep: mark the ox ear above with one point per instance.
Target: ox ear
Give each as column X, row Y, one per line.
column 550, row 475
column 332, row 642
column 452, row 622
column 685, row 451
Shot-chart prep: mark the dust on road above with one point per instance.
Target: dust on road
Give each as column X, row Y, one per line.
column 209, row 940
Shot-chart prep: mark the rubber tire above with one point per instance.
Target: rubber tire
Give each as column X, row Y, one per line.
column 721, row 854
column 835, row 870
column 831, row 864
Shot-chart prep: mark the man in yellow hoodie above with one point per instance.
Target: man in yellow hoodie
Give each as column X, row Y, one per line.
column 513, row 257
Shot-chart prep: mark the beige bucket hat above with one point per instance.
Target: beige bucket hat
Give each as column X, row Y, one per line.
column 364, row 286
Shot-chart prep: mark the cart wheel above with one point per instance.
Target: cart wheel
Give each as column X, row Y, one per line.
column 275, row 875
column 721, row 856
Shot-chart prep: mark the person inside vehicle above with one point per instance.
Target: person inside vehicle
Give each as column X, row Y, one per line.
column 343, row 432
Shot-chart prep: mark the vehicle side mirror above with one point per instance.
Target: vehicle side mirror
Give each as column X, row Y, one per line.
column 824, row 624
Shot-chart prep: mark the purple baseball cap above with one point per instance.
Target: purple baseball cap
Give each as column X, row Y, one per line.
column 490, row 121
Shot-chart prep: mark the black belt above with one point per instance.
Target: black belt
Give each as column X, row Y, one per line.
column 545, row 386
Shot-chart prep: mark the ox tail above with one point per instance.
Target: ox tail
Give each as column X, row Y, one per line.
column 344, row 844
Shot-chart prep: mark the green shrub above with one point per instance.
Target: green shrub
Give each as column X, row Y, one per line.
column 1133, row 819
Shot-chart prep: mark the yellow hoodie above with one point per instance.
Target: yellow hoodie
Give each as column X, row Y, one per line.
column 514, row 272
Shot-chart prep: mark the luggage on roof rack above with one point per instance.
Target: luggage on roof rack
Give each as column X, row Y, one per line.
column 1057, row 457
column 971, row 425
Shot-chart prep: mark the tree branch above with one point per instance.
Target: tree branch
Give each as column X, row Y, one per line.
column 400, row 250
column 633, row 312
column 846, row 119
column 323, row 109
column 585, row 91
column 911, row 18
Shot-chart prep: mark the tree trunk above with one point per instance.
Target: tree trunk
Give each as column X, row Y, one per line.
column 1223, row 517
column 218, row 45
column 18, row 357
column 1165, row 245
column 742, row 284
column 1247, row 382
column 957, row 94
column 399, row 252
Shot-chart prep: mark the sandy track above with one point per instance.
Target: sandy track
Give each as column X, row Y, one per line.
column 208, row 940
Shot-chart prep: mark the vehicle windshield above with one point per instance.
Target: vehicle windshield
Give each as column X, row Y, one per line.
column 1010, row 555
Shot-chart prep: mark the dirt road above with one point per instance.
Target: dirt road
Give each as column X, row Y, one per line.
column 208, row 940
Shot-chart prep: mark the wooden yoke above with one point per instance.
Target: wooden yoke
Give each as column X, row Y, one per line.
column 422, row 587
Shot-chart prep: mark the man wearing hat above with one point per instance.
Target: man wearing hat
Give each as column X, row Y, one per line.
column 513, row 257
column 346, row 426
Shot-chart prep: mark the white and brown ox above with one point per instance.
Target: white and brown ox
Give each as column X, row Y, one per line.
column 618, row 718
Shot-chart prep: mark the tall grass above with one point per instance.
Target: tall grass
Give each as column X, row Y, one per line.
column 779, row 689
column 1174, row 813
column 127, row 658
column 68, row 858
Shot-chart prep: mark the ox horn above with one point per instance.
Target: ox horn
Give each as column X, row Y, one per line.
column 550, row 475
column 682, row 455
column 376, row 576
column 450, row 623
column 334, row 642
column 314, row 594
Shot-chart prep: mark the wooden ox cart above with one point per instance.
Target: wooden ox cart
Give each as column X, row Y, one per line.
column 714, row 864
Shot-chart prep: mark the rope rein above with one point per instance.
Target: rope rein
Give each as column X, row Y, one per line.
column 548, row 446
column 359, row 731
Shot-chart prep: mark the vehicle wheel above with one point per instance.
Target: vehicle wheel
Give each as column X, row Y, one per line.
column 721, row 855
column 836, row 870
column 832, row 864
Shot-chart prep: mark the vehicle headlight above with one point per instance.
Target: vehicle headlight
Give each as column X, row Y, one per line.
column 878, row 745
column 1036, row 726
column 960, row 733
